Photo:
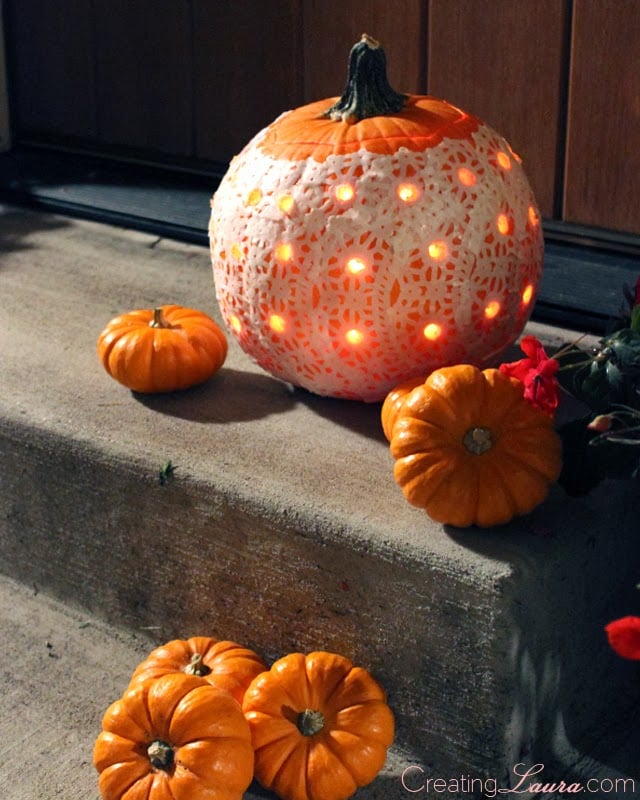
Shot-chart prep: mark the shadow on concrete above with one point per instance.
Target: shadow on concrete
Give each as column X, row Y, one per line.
column 229, row 396
column 571, row 582
column 18, row 224
column 361, row 418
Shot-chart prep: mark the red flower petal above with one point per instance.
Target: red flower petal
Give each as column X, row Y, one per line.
column 624, row 637
column 537, row 373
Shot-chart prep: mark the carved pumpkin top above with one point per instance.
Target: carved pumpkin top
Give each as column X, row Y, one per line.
column 424, row 122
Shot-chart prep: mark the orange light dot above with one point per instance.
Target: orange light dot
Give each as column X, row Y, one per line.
column 492, row 309
column 432, row 331
column 254, row 197
column 277, row 323
column 438, row 251
column 236, row 325
column 356, row 265
column 354, row 336
column 503, row 160
column 533, row 215
column 284, row 251
column 407, row 192
column 236, row 250
column 504, row 225
column 285, row 203
column 466, row 177
column 527, row 294
column 344, row 192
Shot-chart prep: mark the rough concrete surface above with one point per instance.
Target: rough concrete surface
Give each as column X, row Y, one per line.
column 60, row 669
column 282, row 528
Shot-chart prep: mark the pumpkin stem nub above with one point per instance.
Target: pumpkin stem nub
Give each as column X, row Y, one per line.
column 160, row 755
column 159, row 320
column 197, row 666
column 367, row 93
column 478, row 440
column 310, row 722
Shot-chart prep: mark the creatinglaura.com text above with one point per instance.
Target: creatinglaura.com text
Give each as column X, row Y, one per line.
column 526, row 779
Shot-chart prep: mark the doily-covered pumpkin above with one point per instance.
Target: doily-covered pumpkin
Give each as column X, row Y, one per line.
column 361, row 241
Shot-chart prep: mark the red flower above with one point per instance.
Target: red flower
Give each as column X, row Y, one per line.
column 538, row 374
column 624, row 637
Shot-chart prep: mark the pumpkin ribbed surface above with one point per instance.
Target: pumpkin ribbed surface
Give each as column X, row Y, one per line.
column 223, row 664
column 470, row 449
column 320, row 727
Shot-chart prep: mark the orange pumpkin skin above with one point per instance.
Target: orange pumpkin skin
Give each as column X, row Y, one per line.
column 175, row 737
column 393, row 403
column 348, row 256
column 223, row 664
column 347, row 726
column 162, row 350
column 471, row 450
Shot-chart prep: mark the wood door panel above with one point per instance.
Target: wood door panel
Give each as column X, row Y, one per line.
column 603, row 143
column 506, row 63
column 247, row 70
column 143, row 69
column 50, row 48
column 332, row 27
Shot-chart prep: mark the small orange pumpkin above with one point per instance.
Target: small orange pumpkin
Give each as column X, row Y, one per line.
column 470, row 449
column 393, row 403
column 175, row 737
column 225, row 665
column 320, row 727
column 162, row 350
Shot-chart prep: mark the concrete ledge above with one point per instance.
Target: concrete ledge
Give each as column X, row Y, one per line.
column 282, row 526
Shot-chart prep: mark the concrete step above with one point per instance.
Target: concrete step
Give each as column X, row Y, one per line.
column 282, row 528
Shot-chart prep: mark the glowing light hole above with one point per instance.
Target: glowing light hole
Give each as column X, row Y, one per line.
column 407, row 192
column 492, row 309
column 356, row 265
column 285, row 203
column 527, row 294
column 504, row 225
column 344, row 192
column 354, row 336
column 503, row 160
column 277, row 323
column 466, row 177
column 438, row 250
column 432, row 331
column 284, row 251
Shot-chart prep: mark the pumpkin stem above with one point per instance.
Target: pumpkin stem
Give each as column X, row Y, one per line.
column 310, row 722
column 367, row 92
column 478, row 440
column 159, row 320
column 197, row 666
column 160, row 755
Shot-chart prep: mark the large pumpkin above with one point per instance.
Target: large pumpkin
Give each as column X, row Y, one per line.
column 358, row 243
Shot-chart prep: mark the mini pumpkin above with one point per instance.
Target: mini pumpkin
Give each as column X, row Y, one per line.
column 471, row 450
column 175, row 737
column 162, row 350
column 320, row 726
column 393, row 403
column 224, row 664
column 357, row 241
